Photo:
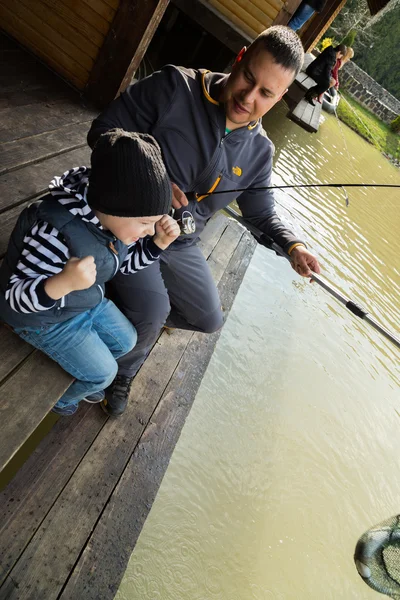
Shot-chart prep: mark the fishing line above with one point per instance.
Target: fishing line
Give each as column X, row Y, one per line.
column 302, row 185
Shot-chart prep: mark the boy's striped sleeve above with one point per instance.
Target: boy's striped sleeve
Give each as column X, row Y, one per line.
column 44, row 254
column 141, row 255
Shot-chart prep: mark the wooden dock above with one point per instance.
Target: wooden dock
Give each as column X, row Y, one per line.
column 301, row 111
column 73, row 512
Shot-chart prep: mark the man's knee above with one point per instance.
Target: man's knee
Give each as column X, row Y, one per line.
column 211, row 322
column 151, row 310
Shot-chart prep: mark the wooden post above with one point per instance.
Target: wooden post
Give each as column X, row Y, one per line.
column 287, row 12
column 317, row 26
column 124, row 47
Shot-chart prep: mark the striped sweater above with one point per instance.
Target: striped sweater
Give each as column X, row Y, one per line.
column 45, row 252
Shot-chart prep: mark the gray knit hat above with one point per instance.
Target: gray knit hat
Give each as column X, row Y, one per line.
column 128, row 177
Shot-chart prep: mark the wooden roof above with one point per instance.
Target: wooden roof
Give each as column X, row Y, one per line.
column 376, row 5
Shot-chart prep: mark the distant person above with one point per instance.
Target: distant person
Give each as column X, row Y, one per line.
column 321, row 71
column 305, row 12
column 347, row 57
column 93, row 224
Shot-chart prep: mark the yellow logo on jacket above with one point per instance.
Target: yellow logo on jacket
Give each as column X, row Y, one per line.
column 237, row 171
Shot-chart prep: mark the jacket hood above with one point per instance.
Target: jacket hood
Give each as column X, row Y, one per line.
column 70, row 190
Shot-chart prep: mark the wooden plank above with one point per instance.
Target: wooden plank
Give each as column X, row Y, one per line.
column 308, row 112
column 101, row 567
column 61, row 46
column 86, row 18
column 24, row 121
column 215, row 23
column 124, row 47
column 28, row 497
column 13, row 351
column 79, row 505
column 254, row 11
column 31, row 494
column 212, row 233
column 23, row 406
column 33, row 180
column 306, row 115
column 271, row 9
column 223, row 7
column 315, row 27
column 7, row 224
column 103, row 9
column 286, row 12
column 28, row 36
column 28, row 150
column 315, row 119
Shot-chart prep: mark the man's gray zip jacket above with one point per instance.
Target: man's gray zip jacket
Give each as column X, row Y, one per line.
column 180, row 108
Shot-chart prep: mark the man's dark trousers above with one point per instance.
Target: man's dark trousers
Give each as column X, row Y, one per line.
column 180, row 285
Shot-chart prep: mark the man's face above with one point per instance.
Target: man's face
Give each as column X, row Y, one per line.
column 254, row 86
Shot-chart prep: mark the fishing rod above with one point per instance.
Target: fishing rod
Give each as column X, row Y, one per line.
column 303, row 185
column 353, row 307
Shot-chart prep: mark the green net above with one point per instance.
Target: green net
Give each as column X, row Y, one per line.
column 377, row 557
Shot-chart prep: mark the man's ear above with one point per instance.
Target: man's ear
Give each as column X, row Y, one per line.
column 240, row 55
column 281, row 96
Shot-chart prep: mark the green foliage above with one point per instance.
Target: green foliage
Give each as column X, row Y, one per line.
column 395, row 125
column 382, row 60
column 349, row 39
column 368, row 126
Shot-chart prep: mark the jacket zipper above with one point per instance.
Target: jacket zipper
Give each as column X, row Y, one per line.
column 211, row 190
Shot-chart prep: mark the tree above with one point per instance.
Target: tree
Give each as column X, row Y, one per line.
column 354, row 17
column 349, row 39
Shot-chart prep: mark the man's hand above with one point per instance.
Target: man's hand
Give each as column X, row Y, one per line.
column 78, row 274
column 167, row 230
column 303, row 262
column 178, row 197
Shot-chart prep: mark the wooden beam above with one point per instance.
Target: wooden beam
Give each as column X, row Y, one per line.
column 125, row 45
column 287, row 12
column 212, row 21
column 320, row 22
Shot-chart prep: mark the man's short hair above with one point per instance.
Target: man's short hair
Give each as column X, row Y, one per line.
column 284, row 45
column 341, row 48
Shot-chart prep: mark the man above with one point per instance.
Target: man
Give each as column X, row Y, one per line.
column 321, row 69
column 304, row 12
column 209, row 128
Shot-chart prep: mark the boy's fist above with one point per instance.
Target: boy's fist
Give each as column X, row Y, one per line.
column 80, row 273
column 167, row 230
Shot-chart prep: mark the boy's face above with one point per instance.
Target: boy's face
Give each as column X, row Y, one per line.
column 128, row 229
column 256, row 83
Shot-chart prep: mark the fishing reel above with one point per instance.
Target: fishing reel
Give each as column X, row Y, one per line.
column 186, row 222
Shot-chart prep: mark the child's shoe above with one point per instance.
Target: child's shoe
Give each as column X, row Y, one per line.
column 65, row 411
column 95, row 398
column 117, row 396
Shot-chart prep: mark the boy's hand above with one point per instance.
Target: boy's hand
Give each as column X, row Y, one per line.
column 78, row 274
column 167, row 230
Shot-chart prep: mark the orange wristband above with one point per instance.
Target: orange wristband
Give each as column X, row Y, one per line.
column 293, row 246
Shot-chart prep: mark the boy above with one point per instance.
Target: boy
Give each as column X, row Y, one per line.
column 93, row 223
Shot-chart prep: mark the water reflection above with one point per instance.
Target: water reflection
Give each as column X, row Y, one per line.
column 291, row 449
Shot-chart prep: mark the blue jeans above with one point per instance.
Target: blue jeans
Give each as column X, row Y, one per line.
column 85, row 346
column 302, row 14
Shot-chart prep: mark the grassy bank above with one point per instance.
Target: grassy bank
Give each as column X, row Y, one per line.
column 369, row 126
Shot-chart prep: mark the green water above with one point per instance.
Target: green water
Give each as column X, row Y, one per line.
column 292, row 447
